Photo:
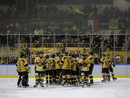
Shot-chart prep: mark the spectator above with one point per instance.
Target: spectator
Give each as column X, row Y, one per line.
column 74, row 29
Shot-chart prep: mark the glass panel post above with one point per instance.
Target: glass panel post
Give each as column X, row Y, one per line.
column 114, row 46
column 7, row 49
column 30, row 49
column 66, row 43
column 19, row 47
column 126, row 46
column 78, row 42
column 54, row 43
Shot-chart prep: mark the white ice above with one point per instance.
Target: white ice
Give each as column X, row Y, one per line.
column 113, row 89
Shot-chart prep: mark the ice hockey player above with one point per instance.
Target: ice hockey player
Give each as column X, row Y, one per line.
column 84, row 71
column 74, row 69
column 58, row 68
column 90, row 61
column 48, row 70
column 52, row 62
column 23, row 70
column 105, row 68
column 79, row 58
column 37, row 57
column 66, row 69
column 39, row 67
column 111, row 65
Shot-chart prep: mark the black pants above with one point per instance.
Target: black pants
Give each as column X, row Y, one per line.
column 48, row 72
column 53, row 72
column 58, row 72
column 91, row 68
column 111, row 69
column 105, row 70
column 23, row 78
column 66, row 72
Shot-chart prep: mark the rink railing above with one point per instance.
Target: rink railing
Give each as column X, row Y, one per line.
column 120, row 71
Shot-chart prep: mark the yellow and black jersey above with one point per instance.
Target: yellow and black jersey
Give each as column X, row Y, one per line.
column 58, row 63
column 36, row 59
column 110, row 62
column 40, row 64
column 90, row 59
column 104, row 62
column 22, row 65
column 48, row 64
column 66, row 62
column 74, row 64
column 84, row 66
column 52, row 63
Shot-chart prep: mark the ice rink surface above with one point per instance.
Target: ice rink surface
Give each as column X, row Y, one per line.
column 114, row 89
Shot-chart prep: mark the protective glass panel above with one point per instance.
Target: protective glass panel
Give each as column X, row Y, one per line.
column 120, row 49
column 48, row 44
column 84, row 43
column 25, row 47
column 128, row 53
column 108, row 45
column 60, row 43
column 13, row 48
column 72, row 44
column 96, row 44
column 36, row 46
column 3, row 49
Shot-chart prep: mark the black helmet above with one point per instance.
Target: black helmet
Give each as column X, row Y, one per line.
column 108, row 54
column 70, row 54
column 57, row 53
column 22, row 55
column 76, row 55
column 41, row 52
column 53, row 55
column 103, row 55
column 83, row 55
column 73, row 55
column 66, row 53
column 47, row 56
column 90, row 52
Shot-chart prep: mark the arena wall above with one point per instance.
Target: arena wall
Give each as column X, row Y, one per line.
column 121, row 71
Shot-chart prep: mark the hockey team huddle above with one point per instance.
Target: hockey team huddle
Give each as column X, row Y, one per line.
column 67, row 69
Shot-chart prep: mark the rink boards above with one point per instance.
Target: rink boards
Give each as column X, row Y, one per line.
column 9, row 71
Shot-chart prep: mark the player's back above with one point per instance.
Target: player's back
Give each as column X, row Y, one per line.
column 83, row 65
column 74, row 64
column 90, row 59
column 39, row 64
column 57, row 63
column 22, row 65
column 67, row 60
column 104, row 62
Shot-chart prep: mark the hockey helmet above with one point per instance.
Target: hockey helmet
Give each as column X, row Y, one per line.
column 47, row 56
column 22, row 55
column 53, row 55
column 108, row 54
column 103, row 55
column 90, row 52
